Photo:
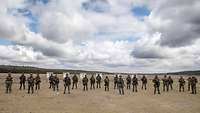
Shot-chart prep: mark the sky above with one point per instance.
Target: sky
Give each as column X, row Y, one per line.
column 104, row 35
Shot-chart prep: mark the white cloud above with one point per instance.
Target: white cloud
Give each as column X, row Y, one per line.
column 109, row 40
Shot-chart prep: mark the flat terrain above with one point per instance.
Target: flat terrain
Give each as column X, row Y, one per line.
column 97, row 101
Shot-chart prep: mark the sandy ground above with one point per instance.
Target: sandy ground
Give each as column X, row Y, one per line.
column 97, row 101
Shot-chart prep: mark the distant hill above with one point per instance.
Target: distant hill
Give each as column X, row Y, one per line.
column 29, row 69
column 197, row 72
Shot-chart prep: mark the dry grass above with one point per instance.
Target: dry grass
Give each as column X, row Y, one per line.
column 96, row 101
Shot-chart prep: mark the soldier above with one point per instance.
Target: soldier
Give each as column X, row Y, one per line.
column 85, row 83
column 98, row 78
column 31, row 82
column 37, row 82
column 22, row 79
column 156, row 82
column 106, row 83
column 189, row 83
column 135, row 83
column 194, row 81
column 170, row 82
column 115, row 81
column 75, row 81
column 56, row 82
column 121, row 85
column 92, row 82
column 67, row 83
column 165, row 83
column 181, row 84
column 128, row 82
column 8, row 82
column 51, row 81
column 144, row 82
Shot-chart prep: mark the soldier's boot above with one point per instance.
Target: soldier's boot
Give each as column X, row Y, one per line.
column 54, row 88
column 68, row 89
column 57, row 88
column 158, row 91
column 86, row 88
column 28, row 90
column 188, row 87
column 20, row 86
column 6, row 90
column 167, row 88
column 73, row 86
column 122, row 91
column 145, row 87
column 64, row 89
column 136, row 88
column 10, row 89
column 24, row 86
column 32, row 90
column 163, row 87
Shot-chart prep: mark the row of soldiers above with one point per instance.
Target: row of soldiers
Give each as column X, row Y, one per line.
column 167, row 82
column 118, row 83
column 30, row 80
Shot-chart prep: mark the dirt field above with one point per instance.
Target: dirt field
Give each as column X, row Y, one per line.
column 97, row 101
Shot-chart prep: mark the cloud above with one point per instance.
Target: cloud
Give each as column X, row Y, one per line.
column 101, row 35
column 177, row 21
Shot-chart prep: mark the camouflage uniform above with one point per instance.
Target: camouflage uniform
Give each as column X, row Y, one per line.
column 55, row 83
column 98, row 78
column 189, row 83
column 51, row 81
column 92, row 82
column 165, row 83
column 37, row 82
column 106, row 83
column 144, row 82
column 8, row 82
column 128, row 82
column 134, row 83
column 75, row 81
column 31, row 82
column 181, row 84
column 170, row 82
column 85, row 83
column 194, row 81
column 156, row 82
column 67, row 83
column 115, row 81
column 121, row 85
column 22, row 82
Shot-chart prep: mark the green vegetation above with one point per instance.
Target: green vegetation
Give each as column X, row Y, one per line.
column 29, row 69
